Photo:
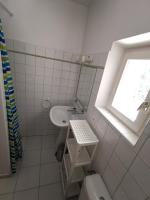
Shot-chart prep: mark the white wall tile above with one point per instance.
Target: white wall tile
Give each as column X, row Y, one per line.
column 117, row 167
column 20, row 78
column 101, row 127
column 147, row 129
column 30, row 48
column 30, row 60
column 11, row 58
column 141, row 173
column 107, row 147
column 110, row 180
column 41, row 51
column 30, row 70
column 145, row 152
column 125, row 153
column 19, row 46
column 37, row 79
column 20, row 68
column 59, row 54
column 132, row 189
column 50, row 52
column 120, row 195
column 10, row 44
column 40, row 62
column 20, row 58
column 140, row 142
column 49, row 64
column 67, row 56
column 114, row 171
column 39, row 70
column 57, row 74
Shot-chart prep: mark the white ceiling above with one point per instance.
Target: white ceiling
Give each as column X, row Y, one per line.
column 83, row 2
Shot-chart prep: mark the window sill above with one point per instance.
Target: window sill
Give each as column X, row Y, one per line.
column 124, row 130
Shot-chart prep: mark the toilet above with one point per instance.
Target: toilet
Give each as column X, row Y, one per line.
column 93, row 188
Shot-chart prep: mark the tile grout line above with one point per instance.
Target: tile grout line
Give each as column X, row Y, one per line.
column 40, row 167
column 137, row 153
column 17, row 176
column 12, row 193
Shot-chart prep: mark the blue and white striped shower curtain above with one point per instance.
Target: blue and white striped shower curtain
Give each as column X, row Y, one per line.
column 12, row 117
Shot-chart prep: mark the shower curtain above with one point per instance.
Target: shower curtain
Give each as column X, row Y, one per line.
column 12, row 118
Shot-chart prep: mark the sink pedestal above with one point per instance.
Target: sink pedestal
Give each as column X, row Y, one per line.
column 61, row 138
column 60, row 116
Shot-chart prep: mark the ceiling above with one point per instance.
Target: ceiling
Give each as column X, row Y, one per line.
column 83, row 2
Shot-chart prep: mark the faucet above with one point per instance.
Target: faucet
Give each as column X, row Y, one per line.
column 71, row 109
column 75, row 110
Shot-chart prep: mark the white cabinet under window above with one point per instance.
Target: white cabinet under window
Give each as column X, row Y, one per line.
column 124, row 94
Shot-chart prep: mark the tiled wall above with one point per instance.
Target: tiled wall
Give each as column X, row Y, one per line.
column 38, row 79
column 124, row 168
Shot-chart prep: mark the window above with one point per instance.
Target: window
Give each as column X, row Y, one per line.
column 125, row 86
column 133, row 88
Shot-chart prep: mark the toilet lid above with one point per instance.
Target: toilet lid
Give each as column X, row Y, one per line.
column 96, row 189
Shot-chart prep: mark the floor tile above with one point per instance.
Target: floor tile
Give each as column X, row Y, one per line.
column 28, row 178
column 6, row 197
column 32, row 143
column 31, row 157
column 7, row 185
column 27, row 195
column 48, row 142
column 53, row 192
column 49, row 174
column 48, row 156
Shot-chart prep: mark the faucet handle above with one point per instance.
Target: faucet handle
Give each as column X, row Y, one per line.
column 72, row 109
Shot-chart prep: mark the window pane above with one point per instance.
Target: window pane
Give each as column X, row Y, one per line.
column 133, row 88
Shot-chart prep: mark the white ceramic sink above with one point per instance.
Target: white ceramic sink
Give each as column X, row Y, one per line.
column 60, row 116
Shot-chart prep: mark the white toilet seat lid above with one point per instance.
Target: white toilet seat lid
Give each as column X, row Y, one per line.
column 96, row 188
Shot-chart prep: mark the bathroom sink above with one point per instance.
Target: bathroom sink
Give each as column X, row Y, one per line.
column 60, row 116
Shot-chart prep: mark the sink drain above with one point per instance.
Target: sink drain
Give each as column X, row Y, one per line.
column 64, row 121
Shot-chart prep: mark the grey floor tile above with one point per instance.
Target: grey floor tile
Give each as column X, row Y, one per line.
column 7, row 185
column 48, row 156
column 28, row 178
column 6, row 197
column 27, row 195
column 49, row 142
column 32, row 143
column 49, row 174
column 31, row 157
column 53, row 192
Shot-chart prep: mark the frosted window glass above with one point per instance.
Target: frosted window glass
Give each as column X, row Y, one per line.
column 133, row 88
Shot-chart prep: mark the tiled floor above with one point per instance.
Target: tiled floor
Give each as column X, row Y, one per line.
column 38, row 175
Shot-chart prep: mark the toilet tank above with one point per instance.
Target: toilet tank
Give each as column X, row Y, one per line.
column 94, row 189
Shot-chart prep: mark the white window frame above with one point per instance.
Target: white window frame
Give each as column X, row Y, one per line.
column 115, row 65
column 140, row 53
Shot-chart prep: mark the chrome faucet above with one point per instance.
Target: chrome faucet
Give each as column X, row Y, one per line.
column 71, row 109
column 76, row 111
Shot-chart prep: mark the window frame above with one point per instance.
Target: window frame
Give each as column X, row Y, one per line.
column 112, row 71
column 138, row 54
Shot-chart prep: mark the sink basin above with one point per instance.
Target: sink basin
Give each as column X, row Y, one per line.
column 60, row 116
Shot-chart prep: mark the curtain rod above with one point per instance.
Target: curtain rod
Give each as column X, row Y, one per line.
column 58, row 59
column 6, row 9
